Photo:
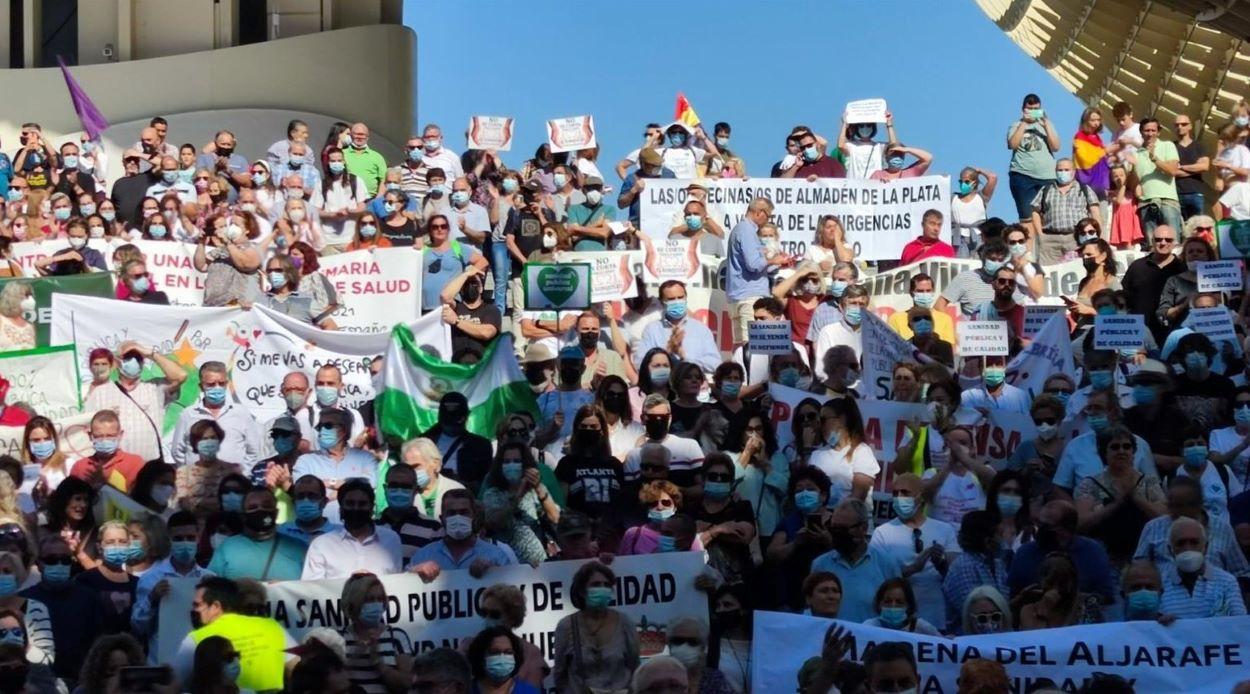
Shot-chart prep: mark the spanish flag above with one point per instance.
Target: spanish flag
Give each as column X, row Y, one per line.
column 685, row 112
column 1090, row 159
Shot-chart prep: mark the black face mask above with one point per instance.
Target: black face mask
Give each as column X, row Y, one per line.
column 727, row 619
column 1047, row 538
column 196, row 621
column 356, row 518
column 571, row 374
column 537, row 375
column 587, row 341
column 451, row 421
column 260, row 521
column 588, row 438
column 1090, row 264
column 615, row 402
column 471, row 292
column 843, row 541
column 657, row 427
column 225, row 151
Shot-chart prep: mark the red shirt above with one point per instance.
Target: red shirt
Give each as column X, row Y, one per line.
column 119, row 471
column 921, row 248
column 800, row 319
column 14, row 417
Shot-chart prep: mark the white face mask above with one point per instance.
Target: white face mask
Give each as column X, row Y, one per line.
column 549, row 241
column 28, row 304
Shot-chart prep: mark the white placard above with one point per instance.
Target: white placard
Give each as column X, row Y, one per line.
column 490, row 132
column 671, row 259
column 1219, row 276
column 865, row 111
column 1035, row 317
column 571, row 134
column 1215, row 322
column 769, row 337
column 1119, row 332
column 983, row 338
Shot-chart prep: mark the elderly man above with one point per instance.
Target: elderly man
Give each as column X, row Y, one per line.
column 1144, row 279
column 912, row 528
column 223, row 161
column 242, row 444
column 683, row 338
column 661, row 674
column 426, row 461
column 1184, row 500
column 436, row 155
column 746, row 277
column 139, row 404
column 470, row 223
column 364, row 161
column 460, row 548
column 280, row 151
column 168, row 182
column 860, row 565
column 1057, row 208
column 295, row 390
column 302, row 162
column 1192, row 587
column 335, row 460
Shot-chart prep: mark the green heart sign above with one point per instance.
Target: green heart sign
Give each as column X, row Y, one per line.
column 1239, row 234
column 557, row 284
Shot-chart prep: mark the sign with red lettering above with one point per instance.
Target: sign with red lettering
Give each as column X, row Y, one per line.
column 376, row 288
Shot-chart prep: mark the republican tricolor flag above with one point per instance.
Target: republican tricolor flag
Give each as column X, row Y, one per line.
column 685, row 112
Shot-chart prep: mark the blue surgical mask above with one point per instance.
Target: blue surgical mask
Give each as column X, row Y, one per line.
column 509, row 185
column 258, row 179
column 1241, row 414
column 676, row 139
column 559, row 180
column 964, row 187
column 1098, row 422
column 116, row 556
column 459, row 197
column 811, row 154
column 1009, row 505
column 307, row 510
column 788, row 376
column 694, row 222
column 87, row 209
column 423, row 479
column 893, row 617
column 675, row 310
column 277, row 279
column 398, row 498
column 659, row 515
column 232, row 670
column 895, row 162
column 208, row 448
column 157, row 231
column 368, row 230
column 56, row 573
column 1144, row 395
column 598, row 597
column 327, row 395
column 994, row 376
column 285, row 444
column 328, row 437
column 8, row 585
column 500, row 666
column 1143, row 604
column 1100, row 379
column 854, row 315
column 512, row 471
column 722, row 142
column 373, row 613
column 184, row 552
column 1195, row 456
column 104, row 446
column 141, row 285
column 717, row 490
column 1196, row 363
column 61, row 213
column 215, row 395
column 667, row 543
column 337, row 167
column 1063, row 177
column 136, row 552
column 924, row 299
column 731, row 389
column 14, row 195
column 904, row 507
column 922, row 326
column 108, row 215
column 169, row 176
column 232, row 502
column 1017, row 249
column 807, row 501
column 992, row 266
column 838, row 288
column 42, row 449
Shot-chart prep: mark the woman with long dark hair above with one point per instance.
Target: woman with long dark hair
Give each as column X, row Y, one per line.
column 70, row 515
column 654, row 376
column 518, row 508
column 845, row 457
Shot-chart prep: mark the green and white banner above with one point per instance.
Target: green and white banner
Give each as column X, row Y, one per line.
column 98, row 284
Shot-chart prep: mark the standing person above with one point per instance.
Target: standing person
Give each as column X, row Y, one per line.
column 747, row 274
column 813, row 163
column 260, row 552
column 972, row 288
column 969, row 202
column 361, row 544
column 1057, row 210
column 677, row 333
column 597, row 647
column 918, row 543
column 1089, row 154
column 1158, row 163
column 860, row 566
column 1145, row 278
column 140, row 404
column 1033, row 142
column 363, row 161
column 443, row 259
column 1194, row 161
column 929, row 244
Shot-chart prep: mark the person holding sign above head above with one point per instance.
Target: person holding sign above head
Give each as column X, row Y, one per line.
column 1192, row 587
column 684, row 339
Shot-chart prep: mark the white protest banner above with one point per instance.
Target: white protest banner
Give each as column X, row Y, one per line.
column 1190, row 655
column 46, row 379
column 172, row 269
column 556, row 286
column 1002, row 433
column 1219, row 276
column 879, row 218
column 1119, row 331
column 1035, row 318
column 983, row 338
column 611, row 273
column 490, row 132
column 865, row 111
column 71, row 433
column 652, row 589
column 1215, row 322
column 376, row 288
column 27, row 253
column 1049, row 353
column 1232, row 238
column 671, row 259
column 885, row 424
column 769, row 337
column 785, row 399
column 883, row 348
column 571, row 134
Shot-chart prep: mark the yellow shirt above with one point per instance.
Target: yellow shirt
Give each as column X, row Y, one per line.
column 943, row 325
column 261, row 643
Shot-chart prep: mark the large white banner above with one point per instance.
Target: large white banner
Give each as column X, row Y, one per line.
column 376, row 288
column 172, row 269
column 27, row 253
column 879, row 218
column 1194, row 655
column 653, row 589
column 883, row 348
column 45, row 379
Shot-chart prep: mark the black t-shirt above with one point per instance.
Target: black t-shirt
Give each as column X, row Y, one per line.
column 118, row 598
column 402, row 235
column 1207, row 403
column 1189, row 154
column 528, row 232
column 128, row 194
column 1163, row 440
column 684, row 418
column 485, row 314
column 595, row 484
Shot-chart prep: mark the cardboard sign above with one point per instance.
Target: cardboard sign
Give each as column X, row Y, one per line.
column 571, row 134
column 1119, row 332
column 490, row 132
column 865, row 111
column 983, row 338
column 769, row 337
column 556, row 286
column 1035, row 318
column 1219, row 276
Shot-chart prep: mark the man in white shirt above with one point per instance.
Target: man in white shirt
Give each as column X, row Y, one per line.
column 681, row 156
column 846, row 331
column 438, row 156
column 995, row 393
column 154, row 583
column 685, row 456
column 360, row 546
column 242, row 444
column 140, row 405
column 919, row 545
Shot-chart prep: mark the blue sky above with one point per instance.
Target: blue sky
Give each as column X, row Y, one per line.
column 953, row 80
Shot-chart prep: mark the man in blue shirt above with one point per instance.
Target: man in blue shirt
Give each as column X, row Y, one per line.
column 746, row 278
column 682, row 338
column 1056, row 532
column 460, row 547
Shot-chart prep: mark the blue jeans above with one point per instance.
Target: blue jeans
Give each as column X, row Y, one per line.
column 501, row 267
column 1192, row 204
column 1158, row 211
column 1023, row 189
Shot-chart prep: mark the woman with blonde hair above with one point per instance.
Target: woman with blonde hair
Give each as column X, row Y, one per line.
column 15, row 331
column 10, row 507
column 828, row 246
column 375, row 650
column 41, row 446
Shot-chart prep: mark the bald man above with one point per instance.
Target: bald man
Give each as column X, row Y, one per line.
column 364, row 161
column 1192, row 587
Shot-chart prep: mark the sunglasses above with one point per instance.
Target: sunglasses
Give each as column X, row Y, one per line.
column 1046, row 420
column 684, row 641
column 1120, row 447
column 916, row 541
column 439, row 226
column 1160, row 241
column 990, row 618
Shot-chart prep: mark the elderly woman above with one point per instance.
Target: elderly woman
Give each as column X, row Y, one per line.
column 496, row 656
column 822, row 592
column 662, row 499
column 1114, row 505
column 369, row 639
column 198, row 482
column 503, row 605
column 36, row 621
column 597, row 646
column 895, row 603
column 985, row 611
column 688, row 643
column 1056, row 602
column 423, row 455
column 227, row 254
column 1174, row 301
column 16, row 333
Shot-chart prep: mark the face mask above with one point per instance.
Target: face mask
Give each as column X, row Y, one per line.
column 423, row 479
column 1242, row 121
column 865, row 132
column 56, row 573
column 1017, row 249
column 162, row 493
column 666, row 543
column 717, row 490
column 356, row 518
column 594, row 197
column 657, row 428
column 1009, row 505
column 373, row 613
column 157, row 231
column 509, row 185
column 659, row 515
column 549, row 241
column 811, row 287
column 136, row 552
column 992, row 266
column 105, row 447
column 675, row 310
column 14, row 195
column 61, row 213
column 1195, row 456
column 994, row 376
column 184, row 552
column 108, row 215
column 500, row 666
column 904, row 507
column 116, row 556
column 923, row 299
column 96, row 232
column 694, row 222
column 922, row 326
column 390, row 208
column 687, row 654
column 559, row 180
column 513, row 471
column 459, row 198
column 1063, row 177
column 838, row 287
column 232, row 502
column 1241, row 415
column 895, row 162
column 964, row 187
column 1062, row 397
column 676, row 139
column 431, row 145
column 1143, row 603
column 458, row 527
column 731, row 389
column 260, row 520
column 471, row 292
column 1196, row 364
column 277, row 279
column 1100, row 379
column 169, row 176
column 1098, row 422
column 215, row 395
column 327, row 438
column 598, row 597
column 327, row 395
column 42, row 449
column 722, row 142
column 232, row 670
column 307, row 510
column 810, row 154
column 208, row 448
column 789, row 376
column 293, row 193
column 1091, row 264
column 1047, row 432
column 893, row 617
column 1189, row 562
column 854, row 315
column 1143, row 395
column 807, row 501
column 87, row 209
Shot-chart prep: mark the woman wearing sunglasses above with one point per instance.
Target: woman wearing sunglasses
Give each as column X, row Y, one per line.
column 1114, row 505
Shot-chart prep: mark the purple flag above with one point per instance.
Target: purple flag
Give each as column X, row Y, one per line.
column 90, row 117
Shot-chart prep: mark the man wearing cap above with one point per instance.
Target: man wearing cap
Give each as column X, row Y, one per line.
column 559, row 406
column 129, row 190
column 588, row 222
column 746, row 277
column 474, row 323
column 466, row 456
column 335, row 461
column 681, row 156
column 140, row 405
column 574, row 537
column 650, row 165
column 539, row 364
column 285, row 439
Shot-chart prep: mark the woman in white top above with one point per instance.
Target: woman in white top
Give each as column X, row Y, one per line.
column 267, row 194
column 1230, row 446
column 345, row 197
column 828, row 247
column 40, row 446
column 959, row 486
column 15, row 331
column 303, row 226
column 586, row 166
column 864, row 156
column 845, row 458
column 969, row 200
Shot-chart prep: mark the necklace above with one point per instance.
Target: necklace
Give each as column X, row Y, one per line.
column 744, row 666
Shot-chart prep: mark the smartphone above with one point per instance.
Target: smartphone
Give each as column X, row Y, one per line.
column 144, row 678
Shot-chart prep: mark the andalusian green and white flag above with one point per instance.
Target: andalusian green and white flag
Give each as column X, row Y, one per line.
column 416, row 380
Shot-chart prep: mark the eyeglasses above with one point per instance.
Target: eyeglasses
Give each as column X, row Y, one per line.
column 443, row 227
column 518, row 432
column 987, row 618
column 1045, row 420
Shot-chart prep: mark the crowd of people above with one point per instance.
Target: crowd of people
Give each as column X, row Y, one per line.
column 1131, row 502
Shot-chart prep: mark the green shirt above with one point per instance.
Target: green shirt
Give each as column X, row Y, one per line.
column 585, row 215
column 1032, row 157
column 368, row 165
column 1155, row 184
column 241, row 557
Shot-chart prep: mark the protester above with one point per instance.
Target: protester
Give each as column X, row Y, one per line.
column 597, row 646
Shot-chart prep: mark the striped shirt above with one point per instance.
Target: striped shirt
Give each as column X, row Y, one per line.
column 684, row 465
column 360, row 658
column 41, row 648
column 1215, row 594
column 414, row 529
column 1222, row 549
